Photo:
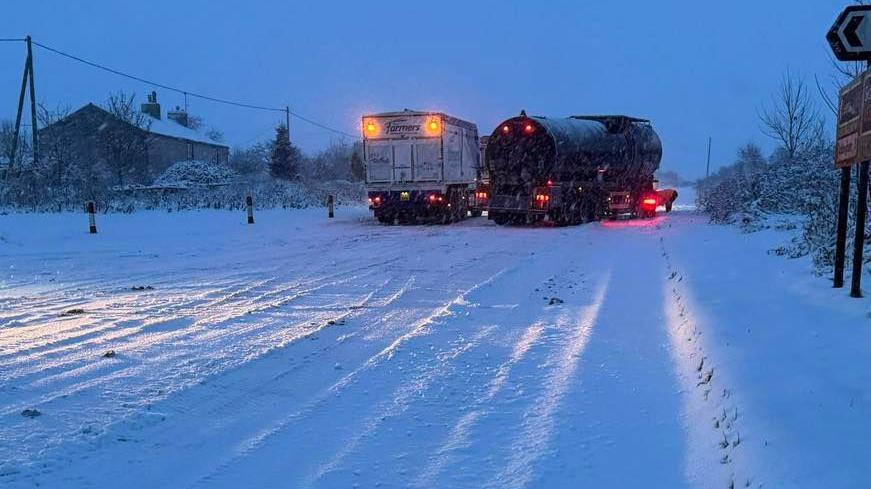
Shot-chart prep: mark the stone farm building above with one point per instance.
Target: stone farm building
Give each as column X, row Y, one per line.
column 167, row 140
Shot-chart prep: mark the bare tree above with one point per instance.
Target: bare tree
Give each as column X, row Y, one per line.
column 46, row 116
column 56, row 146
column 215, row 134
column 195, row 122
column 251, row 161
column 122, row 139
column 7, row 136
column 123, row 107
column 792, row 118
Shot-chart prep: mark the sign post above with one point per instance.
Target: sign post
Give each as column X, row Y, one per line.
column 841, row 236
column 850, row 39
column 859, row 243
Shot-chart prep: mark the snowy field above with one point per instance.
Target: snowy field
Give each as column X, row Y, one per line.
column 306, row 352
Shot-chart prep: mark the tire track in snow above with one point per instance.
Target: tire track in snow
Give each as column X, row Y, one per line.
column 219, row 407
column 246, row 401
column 399, row 402
column 53, row 336
column 417, row 329
column 188, row 340
column 180, row 337
column 537, row 425
column 259, row 439
column 714, row 411
column 248, row 397
column 459, row 435
column 166, row 305
column 201, row 329
column 50, row 303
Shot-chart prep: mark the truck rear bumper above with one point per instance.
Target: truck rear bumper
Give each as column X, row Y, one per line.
column 420, row 202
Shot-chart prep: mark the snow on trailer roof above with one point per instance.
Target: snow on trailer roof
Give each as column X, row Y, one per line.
column 582, row 127
column 408, row 112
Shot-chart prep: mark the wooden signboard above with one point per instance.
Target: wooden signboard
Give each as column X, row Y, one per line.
column 850, row 113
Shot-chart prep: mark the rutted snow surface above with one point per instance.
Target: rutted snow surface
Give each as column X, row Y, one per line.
column 302, row 352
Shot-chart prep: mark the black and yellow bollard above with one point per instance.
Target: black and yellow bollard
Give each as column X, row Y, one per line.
column 92, row 221
column 249, row 203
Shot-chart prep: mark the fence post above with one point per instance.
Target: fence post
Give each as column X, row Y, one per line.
column 92, row 222
column 249, row 203
column 330, row 206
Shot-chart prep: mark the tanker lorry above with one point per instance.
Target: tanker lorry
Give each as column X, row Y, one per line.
column 572, row 170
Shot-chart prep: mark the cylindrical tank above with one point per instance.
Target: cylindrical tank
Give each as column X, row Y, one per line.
column 528, row 151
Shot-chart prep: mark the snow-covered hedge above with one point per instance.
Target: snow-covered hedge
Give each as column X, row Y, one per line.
column 27, row 194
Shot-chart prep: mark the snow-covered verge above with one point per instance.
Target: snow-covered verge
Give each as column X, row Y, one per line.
column 800, row 191
column 189, row 349
column 779, row 355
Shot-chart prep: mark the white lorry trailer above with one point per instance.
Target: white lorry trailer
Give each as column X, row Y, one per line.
column 420, row 166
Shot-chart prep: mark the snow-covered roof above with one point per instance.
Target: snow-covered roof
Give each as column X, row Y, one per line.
column 167, row 127
column 163, row 127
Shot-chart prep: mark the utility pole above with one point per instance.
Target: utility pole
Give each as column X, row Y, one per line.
column 28, row 75
column 32, row 101
column 287, row 121
column 708, row 167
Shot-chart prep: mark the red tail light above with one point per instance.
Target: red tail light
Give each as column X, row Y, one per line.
column 434, row 198
column 481, row 195
column 649, row 202
column 375, row 200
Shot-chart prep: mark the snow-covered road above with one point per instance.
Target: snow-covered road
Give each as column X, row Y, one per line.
column 302, row 352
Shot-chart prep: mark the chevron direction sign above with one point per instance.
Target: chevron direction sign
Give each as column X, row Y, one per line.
column 850, row 36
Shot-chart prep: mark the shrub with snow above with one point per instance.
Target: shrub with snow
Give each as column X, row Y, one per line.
column 192, row 173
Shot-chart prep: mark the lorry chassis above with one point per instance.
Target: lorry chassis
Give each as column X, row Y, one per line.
column 571, row 203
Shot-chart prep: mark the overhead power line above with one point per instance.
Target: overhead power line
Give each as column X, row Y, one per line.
column 189, row 93
column 318, row 124
column 12, row 40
